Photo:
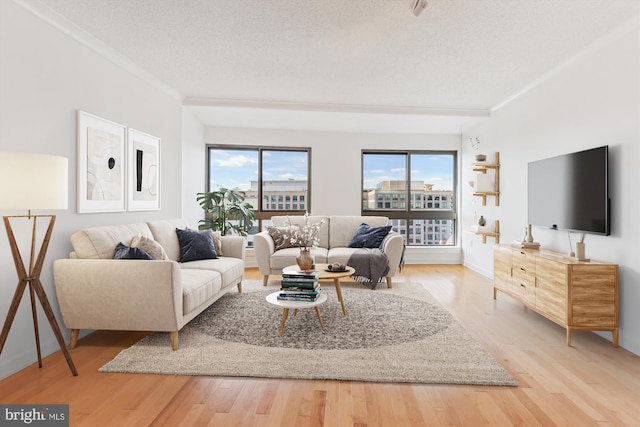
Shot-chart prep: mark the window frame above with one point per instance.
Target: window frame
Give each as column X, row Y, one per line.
column 449, row 214
column 262, row 214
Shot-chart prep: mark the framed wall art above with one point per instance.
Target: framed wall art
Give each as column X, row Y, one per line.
column 144, row 171
column 101, row 165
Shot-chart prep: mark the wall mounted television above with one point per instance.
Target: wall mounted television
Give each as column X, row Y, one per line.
column 571, row 192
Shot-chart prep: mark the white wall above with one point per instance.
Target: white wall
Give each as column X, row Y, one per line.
column 336, row 167
column 594, row 101
column 193, row 166
column 45, row 77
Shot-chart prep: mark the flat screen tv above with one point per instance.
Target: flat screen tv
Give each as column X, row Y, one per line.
column 570, row 192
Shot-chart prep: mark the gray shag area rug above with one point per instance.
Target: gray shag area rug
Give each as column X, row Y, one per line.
column 388, row 335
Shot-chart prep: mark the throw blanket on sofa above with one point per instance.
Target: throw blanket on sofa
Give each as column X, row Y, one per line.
column 371, row 266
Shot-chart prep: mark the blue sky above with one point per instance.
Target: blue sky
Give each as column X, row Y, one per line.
column 236, row 168
column 432, row 169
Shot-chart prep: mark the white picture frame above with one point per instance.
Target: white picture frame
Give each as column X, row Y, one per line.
column 143, row 186
column 101, row 160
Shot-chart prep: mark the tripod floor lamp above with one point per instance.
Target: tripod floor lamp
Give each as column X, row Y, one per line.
column 39, row 182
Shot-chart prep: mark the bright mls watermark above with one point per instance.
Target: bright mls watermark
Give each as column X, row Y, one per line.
column 35, row 415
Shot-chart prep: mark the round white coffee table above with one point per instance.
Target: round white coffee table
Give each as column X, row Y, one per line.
column 286, row 305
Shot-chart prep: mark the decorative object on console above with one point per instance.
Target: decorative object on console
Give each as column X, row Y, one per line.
column 580, row 250
column 529, row 238
column 33, row 181
column 482, row 222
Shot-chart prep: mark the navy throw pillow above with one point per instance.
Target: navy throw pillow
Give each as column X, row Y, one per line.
column 126, row 252
column 195, row 245
column 369, row 237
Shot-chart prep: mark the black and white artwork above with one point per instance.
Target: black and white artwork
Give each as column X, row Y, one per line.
column 101, row 164
column 144, row 171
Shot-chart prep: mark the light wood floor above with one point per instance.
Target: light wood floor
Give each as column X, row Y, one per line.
column 590, row 383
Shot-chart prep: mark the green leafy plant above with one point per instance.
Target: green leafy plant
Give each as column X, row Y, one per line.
column 222, row 208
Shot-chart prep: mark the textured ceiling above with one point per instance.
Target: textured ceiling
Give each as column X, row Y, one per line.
column 458, row 54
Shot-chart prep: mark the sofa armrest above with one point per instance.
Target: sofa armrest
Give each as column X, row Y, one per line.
column 119, row 294
column 263, row 248
column 393, row 247
column 233, row 246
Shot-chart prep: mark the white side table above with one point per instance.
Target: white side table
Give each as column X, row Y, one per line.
column 272, row 298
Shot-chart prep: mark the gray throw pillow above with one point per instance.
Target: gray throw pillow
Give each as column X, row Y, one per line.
column 195, row 245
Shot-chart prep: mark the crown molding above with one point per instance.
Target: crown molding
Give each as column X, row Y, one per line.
column 67, row 27
column 335, row 108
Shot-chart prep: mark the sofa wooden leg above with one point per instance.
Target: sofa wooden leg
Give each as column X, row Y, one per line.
column 388, row 282
column 239, row 287
column 73, row 342
column 174, row 340
column 265, row 280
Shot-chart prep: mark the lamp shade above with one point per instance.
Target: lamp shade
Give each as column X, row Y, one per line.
column 33, row 181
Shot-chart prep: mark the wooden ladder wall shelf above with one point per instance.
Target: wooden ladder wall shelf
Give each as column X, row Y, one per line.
column 483, row 167
column 495, row 234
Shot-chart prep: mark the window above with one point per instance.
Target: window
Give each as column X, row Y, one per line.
column 273, row 176
column 422, row 186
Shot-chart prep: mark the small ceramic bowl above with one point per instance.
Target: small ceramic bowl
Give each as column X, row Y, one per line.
column 481, row 157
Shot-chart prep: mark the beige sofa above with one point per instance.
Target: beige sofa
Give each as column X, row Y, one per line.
column 99, row 293
column 334, row 237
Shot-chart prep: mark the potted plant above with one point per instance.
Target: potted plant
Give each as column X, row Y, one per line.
column 224, row 206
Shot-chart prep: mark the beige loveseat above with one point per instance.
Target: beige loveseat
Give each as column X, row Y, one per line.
column 334, row 237
column 98, row 292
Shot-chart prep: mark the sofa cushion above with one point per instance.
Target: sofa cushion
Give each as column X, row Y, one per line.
column 367, row 236
column 231, row 269
column 150, row 246
column 343, row 228
column 128, row 252
column 195, row 245
column 164, row 232
column 100, row 242
column 198, row 286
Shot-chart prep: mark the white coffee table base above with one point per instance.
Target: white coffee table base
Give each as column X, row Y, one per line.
column 286, row 305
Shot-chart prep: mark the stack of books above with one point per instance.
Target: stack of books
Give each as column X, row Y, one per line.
column 299, row 286
column 526, row 245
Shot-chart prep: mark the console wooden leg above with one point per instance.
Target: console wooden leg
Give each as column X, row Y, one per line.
column 614, row 334
column 265, row 280
column 568, row 337
column 174, row 340
column 73, row 342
